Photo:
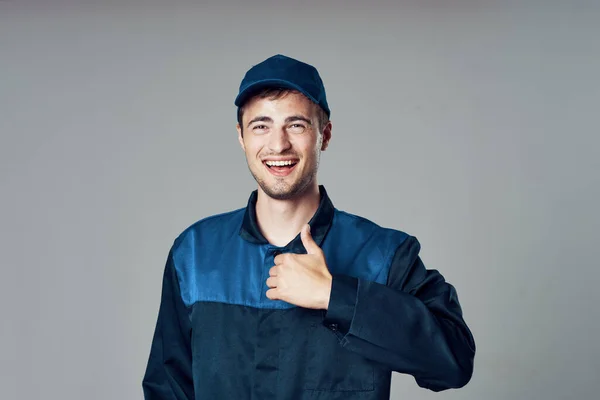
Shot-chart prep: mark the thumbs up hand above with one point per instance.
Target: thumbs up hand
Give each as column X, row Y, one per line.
column 301, row 279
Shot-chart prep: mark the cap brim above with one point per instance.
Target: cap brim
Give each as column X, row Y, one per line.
column 257, row 86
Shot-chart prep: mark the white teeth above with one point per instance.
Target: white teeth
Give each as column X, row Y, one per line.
column 279, row 163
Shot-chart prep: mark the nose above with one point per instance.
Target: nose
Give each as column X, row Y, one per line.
column 279, row 141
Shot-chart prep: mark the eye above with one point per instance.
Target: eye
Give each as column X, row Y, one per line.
column 259, row 128
column 296, row 128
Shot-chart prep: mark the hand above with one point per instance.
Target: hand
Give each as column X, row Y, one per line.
column 301, row 279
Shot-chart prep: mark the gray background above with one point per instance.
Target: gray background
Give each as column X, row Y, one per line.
column 472, row 125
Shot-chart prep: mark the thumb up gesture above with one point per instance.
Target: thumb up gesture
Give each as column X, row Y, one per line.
column 301, row 279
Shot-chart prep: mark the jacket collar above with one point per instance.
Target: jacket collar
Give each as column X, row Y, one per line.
column 319, row 223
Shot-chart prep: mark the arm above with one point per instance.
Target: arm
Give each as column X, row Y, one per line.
column 169, row 371
column 412, row 325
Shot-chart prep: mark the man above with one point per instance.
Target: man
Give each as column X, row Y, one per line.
column 290, row 298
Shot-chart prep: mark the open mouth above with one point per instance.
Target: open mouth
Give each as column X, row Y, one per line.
column 280, row 168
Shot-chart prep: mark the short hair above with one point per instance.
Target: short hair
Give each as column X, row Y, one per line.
column 275, row 93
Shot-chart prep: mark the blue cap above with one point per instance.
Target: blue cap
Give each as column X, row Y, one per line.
column 280, row 71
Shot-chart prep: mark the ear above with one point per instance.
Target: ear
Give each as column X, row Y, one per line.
column 326, row 136
column 240, row 137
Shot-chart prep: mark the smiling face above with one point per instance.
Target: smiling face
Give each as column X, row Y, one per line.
column 283, row 140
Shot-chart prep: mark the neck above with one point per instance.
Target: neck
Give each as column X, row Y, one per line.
column 281, row 220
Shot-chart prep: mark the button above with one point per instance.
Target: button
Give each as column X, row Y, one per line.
column 333, row 327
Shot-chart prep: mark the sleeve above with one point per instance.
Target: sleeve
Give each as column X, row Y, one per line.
column 168, row 373
column 412, row 325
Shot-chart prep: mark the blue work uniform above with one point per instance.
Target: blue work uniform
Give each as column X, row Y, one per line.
column 219, row 337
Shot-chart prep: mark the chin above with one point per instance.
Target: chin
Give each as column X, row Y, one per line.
column 285, row 191
column 279, row 193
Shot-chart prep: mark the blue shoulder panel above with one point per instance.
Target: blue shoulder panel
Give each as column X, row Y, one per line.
column 360, row 248
column 215, row 264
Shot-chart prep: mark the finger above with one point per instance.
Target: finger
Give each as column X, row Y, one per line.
column 283, row 258
column 273, row 271
column 272, row 294
column 272, row 282
column 309, row 244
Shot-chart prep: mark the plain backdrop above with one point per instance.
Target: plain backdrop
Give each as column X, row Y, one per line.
column 472, row 125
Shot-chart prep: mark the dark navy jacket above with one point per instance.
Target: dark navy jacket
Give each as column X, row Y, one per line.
column 219, row 337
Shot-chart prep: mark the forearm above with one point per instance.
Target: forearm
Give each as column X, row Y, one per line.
column 413, row 324
column 398, row 330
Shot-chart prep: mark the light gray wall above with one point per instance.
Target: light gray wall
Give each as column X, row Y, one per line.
column 472, row 125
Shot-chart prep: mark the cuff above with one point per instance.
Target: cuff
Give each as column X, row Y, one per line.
column 342, row 303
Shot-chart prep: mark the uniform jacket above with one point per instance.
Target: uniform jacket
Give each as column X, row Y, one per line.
column 219, row 337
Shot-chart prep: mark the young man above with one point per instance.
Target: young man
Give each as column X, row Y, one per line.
column 290, row 298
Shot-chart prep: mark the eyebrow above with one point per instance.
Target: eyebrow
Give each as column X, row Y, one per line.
column 260, row 118
column 263, row 118
column 297, row 118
